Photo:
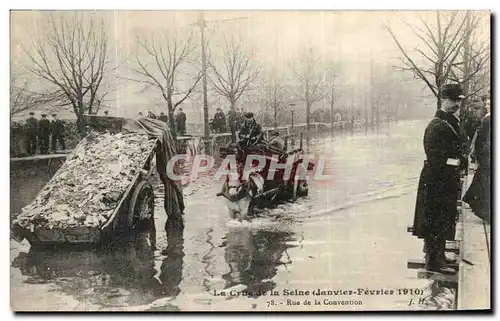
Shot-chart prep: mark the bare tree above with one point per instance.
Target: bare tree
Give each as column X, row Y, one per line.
column 473, row 70
column 166, row 63
column 233, row 77
column 18, row 94
column 311, row 80
column 235, row 74
column 72, row 57
column 23, row 98
column 443, row 46
column 274, row 91
column 332, row 92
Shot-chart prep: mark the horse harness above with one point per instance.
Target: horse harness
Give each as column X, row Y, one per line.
column 246, row 188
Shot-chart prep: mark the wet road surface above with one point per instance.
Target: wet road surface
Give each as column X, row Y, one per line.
column 343, row 243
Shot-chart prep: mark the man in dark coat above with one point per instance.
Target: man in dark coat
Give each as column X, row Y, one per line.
column 56, row 129
column 479, row 193
column 239, row 118
column 44, row 134
column 439, row 185
column 231, row 119
column 250, row 132
column 181, row 122
column 473, row 118
column 475, row 114
column 31, row 133
column 16, row 135
column 220, row 121
column 163, row 117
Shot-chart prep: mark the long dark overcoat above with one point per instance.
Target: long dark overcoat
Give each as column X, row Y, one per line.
column 479, row 194
column 438, row 189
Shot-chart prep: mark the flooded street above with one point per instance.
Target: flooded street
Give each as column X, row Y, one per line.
column 346, row 244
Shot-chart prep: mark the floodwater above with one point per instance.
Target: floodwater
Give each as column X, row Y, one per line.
column 344, row 247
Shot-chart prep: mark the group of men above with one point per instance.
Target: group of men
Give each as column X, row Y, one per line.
column 436, row 211
column 221, row 124
column 249, row 131
column 39, row 132
column 180, row 120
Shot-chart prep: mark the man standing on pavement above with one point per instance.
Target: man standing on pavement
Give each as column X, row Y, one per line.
column 220, row 121
column 181, row 122
column 478, row 196
column 31, row 133
column 476, row 112
column 231, row 119
column 239, row 117
column 56, row 129
column 44, row 134
column 163, row 117
column 438, row 190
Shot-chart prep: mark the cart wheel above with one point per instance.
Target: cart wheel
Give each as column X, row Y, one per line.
column 141, row 207
column 142, row 204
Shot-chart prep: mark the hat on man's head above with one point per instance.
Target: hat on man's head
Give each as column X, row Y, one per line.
column 452, row 91
column 54, row 115
column 248, row 115
column 32, row 113
column 44, row 115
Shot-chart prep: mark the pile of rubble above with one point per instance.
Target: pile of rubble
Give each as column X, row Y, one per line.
column 86, row 190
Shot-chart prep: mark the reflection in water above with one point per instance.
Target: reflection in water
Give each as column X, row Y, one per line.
column 109, row 276
column 253, row 257
column 206, row 259
column 171, row 268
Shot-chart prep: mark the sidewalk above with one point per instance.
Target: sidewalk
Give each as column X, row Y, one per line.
column 474, row 280
column 57, row 154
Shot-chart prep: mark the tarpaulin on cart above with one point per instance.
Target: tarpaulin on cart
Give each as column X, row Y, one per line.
column 174, row 200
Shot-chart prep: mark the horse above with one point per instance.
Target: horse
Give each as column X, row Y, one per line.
column 245, row 188
column 240, row 193
column 240, row 188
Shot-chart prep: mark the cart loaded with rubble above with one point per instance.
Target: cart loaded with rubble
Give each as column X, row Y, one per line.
column 101, row 192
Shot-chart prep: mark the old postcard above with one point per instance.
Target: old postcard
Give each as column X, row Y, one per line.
column 250, row 160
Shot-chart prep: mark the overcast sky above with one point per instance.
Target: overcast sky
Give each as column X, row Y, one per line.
column 275, row 38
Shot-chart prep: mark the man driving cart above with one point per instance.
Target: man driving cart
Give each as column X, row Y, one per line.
column 250, row 132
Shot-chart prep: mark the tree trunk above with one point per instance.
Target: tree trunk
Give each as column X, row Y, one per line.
column 233, row 123
column 467, row 66
column 439, row 101
column 80, row 120
column 171, row 119
column 81, row 125
column 275, row 109
column 331, row 116
column 308, row 117
column 396, row 112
